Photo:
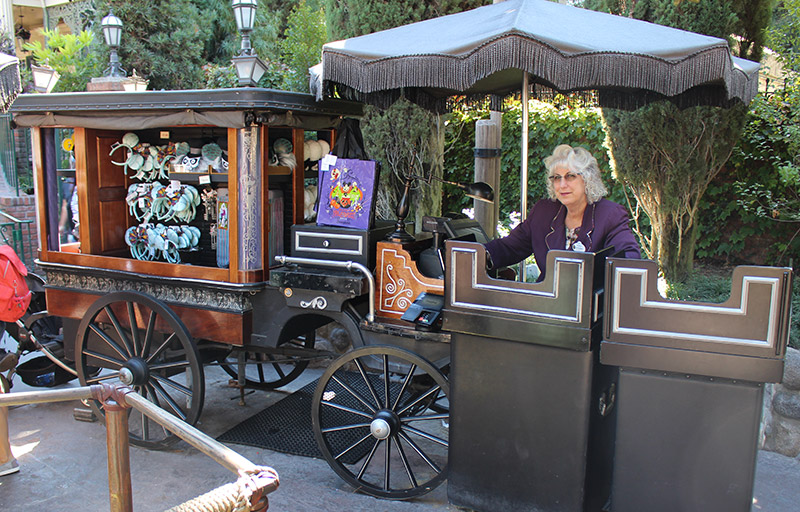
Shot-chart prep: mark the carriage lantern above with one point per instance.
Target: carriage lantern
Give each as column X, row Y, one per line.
column 44, row 78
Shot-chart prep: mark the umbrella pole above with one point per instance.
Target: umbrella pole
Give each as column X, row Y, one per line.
column 524, row 163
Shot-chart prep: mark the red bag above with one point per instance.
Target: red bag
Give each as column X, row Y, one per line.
column 14, row 293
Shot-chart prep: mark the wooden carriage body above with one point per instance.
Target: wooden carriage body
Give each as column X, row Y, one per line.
column 215, row 303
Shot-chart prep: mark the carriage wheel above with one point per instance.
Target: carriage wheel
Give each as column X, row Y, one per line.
column 376, row 426
column 271, row 371
column 137, row 340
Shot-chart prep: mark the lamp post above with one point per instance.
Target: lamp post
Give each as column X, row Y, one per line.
column 112, row 32
column 249, row 68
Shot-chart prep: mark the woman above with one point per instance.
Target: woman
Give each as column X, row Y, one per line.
column 575, row 217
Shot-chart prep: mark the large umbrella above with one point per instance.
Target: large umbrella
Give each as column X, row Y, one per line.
column 497, row 48
column 10, row 84
column 492, row 48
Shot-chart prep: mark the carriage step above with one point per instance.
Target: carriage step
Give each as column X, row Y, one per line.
column 83, row 413
column 55, row 348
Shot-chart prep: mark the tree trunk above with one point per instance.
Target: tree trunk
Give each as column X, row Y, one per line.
column 675, row 247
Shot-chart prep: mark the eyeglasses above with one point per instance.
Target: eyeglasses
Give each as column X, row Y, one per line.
column 555, row 179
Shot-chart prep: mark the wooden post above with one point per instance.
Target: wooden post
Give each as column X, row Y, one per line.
column 487, row 169
column 119, row 463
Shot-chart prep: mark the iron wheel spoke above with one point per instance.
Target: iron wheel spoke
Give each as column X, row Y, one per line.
column 419, row 451
column 105, row 358
column 419, row 399
column 409, row 419
column 161, row 348
column 95, row 380
column 111, row 343
column 345, row 427
column 348, row 409
column 387, row 463
column 169, row 400
column 275, row 365
column 406, row 465
column 368, row 459
column 429, row 437
column 174, row 385
column 363, row 373
column 156, row 401
column 123, row 336
column 355, row 394
column 342, row 454
column 134, row 328
column 148, row 336
column 386, row 386
column 406, row 381
column 167, row 366
column 145, row 424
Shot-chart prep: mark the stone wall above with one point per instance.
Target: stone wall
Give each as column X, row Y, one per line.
column 781, row 417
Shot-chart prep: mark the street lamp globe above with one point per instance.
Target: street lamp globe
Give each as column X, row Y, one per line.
column 245, row 13
column 112, row 30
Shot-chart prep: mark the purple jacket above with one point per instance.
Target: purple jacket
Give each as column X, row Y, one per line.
column 605, row 224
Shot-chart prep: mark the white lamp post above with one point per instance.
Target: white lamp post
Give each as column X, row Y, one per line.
column 249, row 68
column 112, row 31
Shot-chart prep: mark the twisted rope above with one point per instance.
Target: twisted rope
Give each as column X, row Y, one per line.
column 234, row 497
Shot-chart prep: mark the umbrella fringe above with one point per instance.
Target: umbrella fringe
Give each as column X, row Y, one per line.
column 434, row 77
column 10, row 84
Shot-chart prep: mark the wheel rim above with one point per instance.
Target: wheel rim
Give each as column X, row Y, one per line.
column 391, row 448
column 136, row 340
column 270, row 371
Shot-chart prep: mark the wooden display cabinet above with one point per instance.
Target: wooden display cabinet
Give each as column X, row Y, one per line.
column 247, row 121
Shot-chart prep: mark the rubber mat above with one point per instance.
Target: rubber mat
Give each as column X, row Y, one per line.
column 285, row 426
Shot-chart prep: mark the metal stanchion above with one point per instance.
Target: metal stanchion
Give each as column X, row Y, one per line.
column 119, row 462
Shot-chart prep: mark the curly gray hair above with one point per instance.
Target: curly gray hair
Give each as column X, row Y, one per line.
column 581, row 162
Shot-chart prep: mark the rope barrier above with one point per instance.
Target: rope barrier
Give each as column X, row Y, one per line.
column 244, row 495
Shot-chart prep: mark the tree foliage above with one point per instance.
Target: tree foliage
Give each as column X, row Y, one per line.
column 677, row 154
column 351, row 18
column 73, row 56
column 301, row 46
column 784, row 35
column 668, row 158
column 162, row 39
column 406, row 140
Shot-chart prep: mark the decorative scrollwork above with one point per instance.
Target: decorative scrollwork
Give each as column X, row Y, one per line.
column 315, row 303
column 398, row 291
column 168, row 292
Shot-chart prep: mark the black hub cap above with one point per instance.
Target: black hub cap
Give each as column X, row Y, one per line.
column 384, row 424
column 134, row 372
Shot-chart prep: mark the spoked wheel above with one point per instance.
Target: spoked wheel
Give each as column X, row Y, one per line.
column 376, row 426
column 265, row 370
column 137, row 340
